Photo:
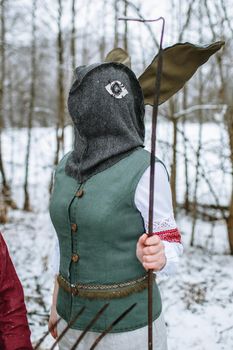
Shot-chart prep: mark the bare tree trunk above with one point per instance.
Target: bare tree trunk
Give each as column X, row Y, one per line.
column 5, row 191
column 27, row 206
column 85, row 48
column 11, row 120
column 126, row 26
column 174, row 157
column 102, row 46
column 186, row 197
column 3, row 209
column 60, row 87
column 174, row 120
column 73, row 35
column 228, row 117
column 230, row 224
column 141, row 43
column 199, row 147
column 116, row 23
column 4, row 182
column 229, row 220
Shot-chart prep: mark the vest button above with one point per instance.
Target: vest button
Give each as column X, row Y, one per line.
column 74, row 227
column 75, row 258
column 80, row 193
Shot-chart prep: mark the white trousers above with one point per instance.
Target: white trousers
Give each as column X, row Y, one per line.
column 132, row 340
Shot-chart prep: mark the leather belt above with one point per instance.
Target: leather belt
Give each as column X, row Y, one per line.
column 104, row 291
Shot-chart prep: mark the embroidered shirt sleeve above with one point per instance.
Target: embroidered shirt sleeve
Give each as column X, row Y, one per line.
column 164, row 224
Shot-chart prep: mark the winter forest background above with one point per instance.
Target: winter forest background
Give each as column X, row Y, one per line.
column 41, row 42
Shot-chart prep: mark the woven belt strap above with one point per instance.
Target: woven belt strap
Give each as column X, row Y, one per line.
column 104, row 291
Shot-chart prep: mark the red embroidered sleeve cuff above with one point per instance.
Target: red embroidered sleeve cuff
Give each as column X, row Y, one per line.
column 172, row 235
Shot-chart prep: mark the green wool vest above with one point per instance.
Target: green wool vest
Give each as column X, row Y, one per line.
column 98, row 231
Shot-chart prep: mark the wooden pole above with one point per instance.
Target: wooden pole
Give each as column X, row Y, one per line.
column 152, row 169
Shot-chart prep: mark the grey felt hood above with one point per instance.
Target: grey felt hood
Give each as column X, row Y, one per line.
column 106, row 105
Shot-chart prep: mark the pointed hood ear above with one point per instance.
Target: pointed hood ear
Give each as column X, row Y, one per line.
column 119, row 55
column 180, row 62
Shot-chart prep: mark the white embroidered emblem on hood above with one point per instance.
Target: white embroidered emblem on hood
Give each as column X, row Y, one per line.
column 116, row 89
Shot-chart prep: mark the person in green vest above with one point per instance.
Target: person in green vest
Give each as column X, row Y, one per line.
column 99, row 208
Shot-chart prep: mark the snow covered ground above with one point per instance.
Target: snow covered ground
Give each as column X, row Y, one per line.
column 197, row 302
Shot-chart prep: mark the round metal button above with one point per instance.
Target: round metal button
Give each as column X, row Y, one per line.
column 80, row 193
column 75, row 257
column 74, row 227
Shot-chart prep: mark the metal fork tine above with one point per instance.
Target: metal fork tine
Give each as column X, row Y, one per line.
column 99, row 313
column 67, row 328
column 46, row 334
column 107, row 330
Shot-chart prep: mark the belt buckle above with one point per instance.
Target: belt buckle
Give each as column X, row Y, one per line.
column 74, row 289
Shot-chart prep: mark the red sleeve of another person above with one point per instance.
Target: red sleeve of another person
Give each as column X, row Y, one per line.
column 14, row 329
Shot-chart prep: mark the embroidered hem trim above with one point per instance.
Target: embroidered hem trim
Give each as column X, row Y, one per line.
column 104, row 291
